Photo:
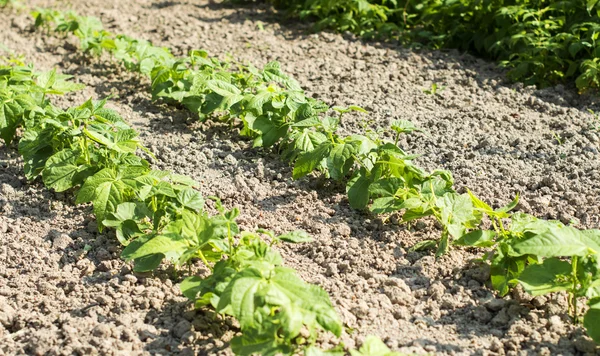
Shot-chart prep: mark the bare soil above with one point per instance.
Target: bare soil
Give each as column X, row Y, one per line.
column 64, row 290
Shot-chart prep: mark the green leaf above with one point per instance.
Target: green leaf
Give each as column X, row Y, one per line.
column 147, row 263
column 553, row 275
column 404, row 126
column 105, row 190
column 513, row 204
column 170, row 245
column 358, row 192
column 240, row 296
column 458, row 213
column 424, row 245
column 386, row 205
column 297, row 236
column 191, row 199
column 191, row 286
column 477, row 238
column 253, row 342
column 257, row 101
column 373, row 346
column 230, row 93
column 125, row 220
column 308, row 140
column 554, row 242
column 270, row 132
column 311, row 160
column 591, row 319
column 60, row 170
column 11, row 116
column 340, row 160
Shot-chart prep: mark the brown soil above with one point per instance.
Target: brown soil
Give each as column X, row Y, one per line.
column 64, row 290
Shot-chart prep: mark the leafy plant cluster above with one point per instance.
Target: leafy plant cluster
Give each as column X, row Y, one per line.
column 541, row 41
column 273, row 110
column 157, row 215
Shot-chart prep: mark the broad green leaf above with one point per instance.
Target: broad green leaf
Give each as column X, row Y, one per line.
column 477, row 238
column 308, row 140
column 270, row 132
column 257, row 101
column 169, row 245
column 297, row 236
column 147, row 263
column 253, row 342
column 60, row 170
column 386, row 205
column 191, row 286
column 373, row 346
column 240, row 296
column 386, row 187
column 358, row 192
column 591, row 319
column 553, row 275
column 554, row 242
column 458, row 213
column 340, row 160
column 125, row 220
column 106, row 190
column 11, row 117
column 190, row 199
column 309, row 161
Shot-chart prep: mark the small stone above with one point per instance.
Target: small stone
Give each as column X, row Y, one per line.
column 229, row 159
column 147, row 332
column 343, row 230
column 361, row 310
column 130, row 278
column 182, row 328
column 539, row 301
column 584, row 344
column 103, row 300
column 62, row 242
column 104, row 266
column 436, row 291
column 332, row 270
column 495, row 304
column 556, row 324
column 7, row 190
column 501, row 319
column 7, row 313
column 482, row 314
column 188, row 337
column 101, row 330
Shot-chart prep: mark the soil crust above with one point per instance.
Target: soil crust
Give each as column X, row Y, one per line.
column 64, row 289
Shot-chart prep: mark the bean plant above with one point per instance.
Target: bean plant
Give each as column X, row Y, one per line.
column 541, row 42
column 273, row 110
column 91, row 151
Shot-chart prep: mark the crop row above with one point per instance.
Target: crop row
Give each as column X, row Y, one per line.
column 543, row 256
column 158, row 214
column 541, row 42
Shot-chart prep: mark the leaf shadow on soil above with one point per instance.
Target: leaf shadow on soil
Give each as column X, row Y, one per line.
column 17, row 185
column 172, row 319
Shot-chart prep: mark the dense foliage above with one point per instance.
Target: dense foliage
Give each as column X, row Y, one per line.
column 541, row 41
